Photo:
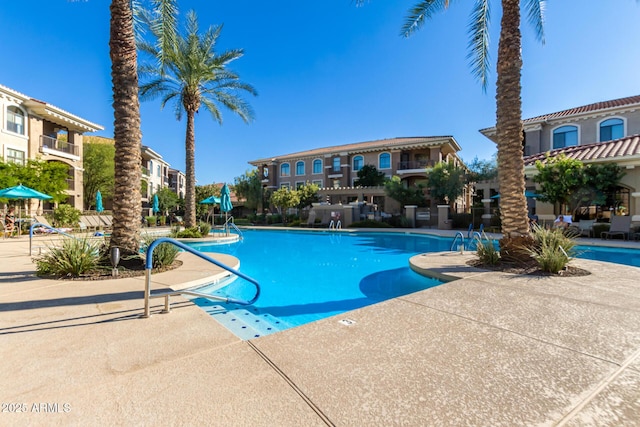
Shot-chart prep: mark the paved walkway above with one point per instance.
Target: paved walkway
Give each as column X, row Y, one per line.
column 489, row 349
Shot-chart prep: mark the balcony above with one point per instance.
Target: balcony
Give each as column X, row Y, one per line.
column 48, row 143
column 145, row 172
column 415, row 166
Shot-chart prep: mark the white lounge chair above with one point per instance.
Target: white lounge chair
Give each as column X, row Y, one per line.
column 620, row 226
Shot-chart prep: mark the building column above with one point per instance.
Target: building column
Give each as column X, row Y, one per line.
column 634, row 210
column 443, row 217
column 410, row 214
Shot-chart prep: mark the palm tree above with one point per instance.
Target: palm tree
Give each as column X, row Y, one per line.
column 193, row 75
column 508, row 102
column 126, row 111
column 126, row 132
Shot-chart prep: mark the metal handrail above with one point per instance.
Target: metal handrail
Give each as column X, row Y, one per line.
column 455, row 239
column 475, row 237
column 235, row 227
column 166, row 295
column 335, row 225
column 39, row 224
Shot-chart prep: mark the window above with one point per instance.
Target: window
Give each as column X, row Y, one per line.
column 299, row 184
column 358, row 162
column 15, row 156
column 336, row 164
column 565, row 136
column 317, row 166
column 158, row 171
column 15, row 120
column 284, row 169
column 317, row 182
column 384, row 161
column 300, row 168
column 285, row 185
column 611, row 129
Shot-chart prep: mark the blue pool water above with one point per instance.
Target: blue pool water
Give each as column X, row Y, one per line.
column 306, row 276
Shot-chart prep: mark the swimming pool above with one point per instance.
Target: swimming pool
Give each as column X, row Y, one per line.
column 309, row 275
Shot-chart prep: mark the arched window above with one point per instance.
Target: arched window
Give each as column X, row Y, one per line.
column 611, row 129
column 15, row 119
column 300, row 168
column 384, row 161
column 317, row 166
column 284, row 169
column 565, row 136
column 358, row 162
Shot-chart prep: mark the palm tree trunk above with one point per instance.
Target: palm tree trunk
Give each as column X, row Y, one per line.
column 190, row 160
column 513, row 204
column 126, row 111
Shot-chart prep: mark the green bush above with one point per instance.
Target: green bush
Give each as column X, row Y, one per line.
column 163, row 255
column 242, row 221
column 555, row 249
column 151, row 221
column 487, row 251
column 189, row 233
column 66, row 216
column 73, row 258
column 369, row 223
column 204, row 228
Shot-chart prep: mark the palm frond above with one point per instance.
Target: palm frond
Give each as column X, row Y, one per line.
column 535, row 16
column 420, row 13
column 479, row 41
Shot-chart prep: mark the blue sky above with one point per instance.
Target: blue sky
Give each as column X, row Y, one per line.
column 327, row 72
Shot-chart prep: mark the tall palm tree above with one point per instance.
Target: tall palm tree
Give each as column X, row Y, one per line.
column 193, row 75
column 513, row 205
column 126, row 111
column 126, row 132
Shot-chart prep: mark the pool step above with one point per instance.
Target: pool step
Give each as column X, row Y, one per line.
column 245, row 323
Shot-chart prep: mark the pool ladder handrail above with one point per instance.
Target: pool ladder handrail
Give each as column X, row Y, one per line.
column 166, row 295
column 335, row 225
column 230, row 224
column 455, row 239
column 39, row 224
column 465, row 245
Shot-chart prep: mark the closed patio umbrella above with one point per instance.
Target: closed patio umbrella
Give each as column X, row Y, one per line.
column 99, row 207
column 225, row 204
column 156, row 204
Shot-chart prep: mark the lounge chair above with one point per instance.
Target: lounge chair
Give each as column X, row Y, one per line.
column 620, row 226
column 107, row 220
column 584, row 227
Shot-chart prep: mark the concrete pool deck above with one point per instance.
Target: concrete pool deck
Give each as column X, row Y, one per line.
column 488, row 349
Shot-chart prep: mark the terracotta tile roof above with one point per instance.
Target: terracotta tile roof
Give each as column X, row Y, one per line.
column 598, row 106
column 361, row 147
column 614, row 150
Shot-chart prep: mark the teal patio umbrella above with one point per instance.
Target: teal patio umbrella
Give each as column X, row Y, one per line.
column 211, row 200
column 225, row 204
column 21, row 192
column 99, row 207
column 156, row 204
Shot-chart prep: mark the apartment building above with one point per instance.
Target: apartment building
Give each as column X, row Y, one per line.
column 31, row 129
column 607, row 131
column 177, row 182
column 155, row 175
column 335, row 169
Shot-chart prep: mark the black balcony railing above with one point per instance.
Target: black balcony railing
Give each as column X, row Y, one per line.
column 58, row 145
column 416, row 164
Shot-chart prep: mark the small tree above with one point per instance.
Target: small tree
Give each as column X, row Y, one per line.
column 308, row 194
column 203, row 192
column 167, row 199
column 482, row 170
column 560, row 180
column 249, row 188
column 283, row 199
column 413, row 195
column 446, row 182
column 369, row 176
column 99, row 171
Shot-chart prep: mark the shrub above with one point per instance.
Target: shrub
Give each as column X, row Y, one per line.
column 204, row 228
column 487, row 251
column 73, row 258
column 66, row 216
column 151, row 221
column 242, row 221
column 163, row 255
column 554, row 249
column 188, row 233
